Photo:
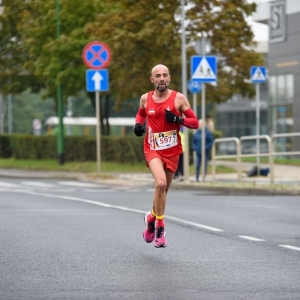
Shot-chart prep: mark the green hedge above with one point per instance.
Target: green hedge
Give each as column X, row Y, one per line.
column 127, row 149
column 118, row 149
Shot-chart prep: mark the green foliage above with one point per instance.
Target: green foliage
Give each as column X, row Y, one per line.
column 58, row 59
column 217, row 134
column 144, row 33
column 140, row 34
column 120, row 150
column 32, row 147
column 5, row 146
column 14, row 77
column 25, row 108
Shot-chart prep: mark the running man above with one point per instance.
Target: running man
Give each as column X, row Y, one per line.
column 162, row 109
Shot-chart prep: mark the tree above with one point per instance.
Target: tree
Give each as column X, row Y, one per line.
column 58, row 60
column 231, row 37
column 144, row 33
column 140, row 34
column 14, row 78
column 41, row 58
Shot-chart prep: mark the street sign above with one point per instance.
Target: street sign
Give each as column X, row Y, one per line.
column 199, row 46
column 204, row 68
column 258, row 74
column 194, row 86
column 97, row 80
column 96, row 55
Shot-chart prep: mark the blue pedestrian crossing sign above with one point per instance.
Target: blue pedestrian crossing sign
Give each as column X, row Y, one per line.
column 258, row 74
column 204, row 68
column 194, row 86
column 97, row 80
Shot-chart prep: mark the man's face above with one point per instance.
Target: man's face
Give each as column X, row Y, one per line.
column 160, row 78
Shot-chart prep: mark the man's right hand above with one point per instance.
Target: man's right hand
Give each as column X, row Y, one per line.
column 138, row 129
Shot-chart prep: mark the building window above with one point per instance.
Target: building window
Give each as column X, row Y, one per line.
column 281, row 88
column 281, row 110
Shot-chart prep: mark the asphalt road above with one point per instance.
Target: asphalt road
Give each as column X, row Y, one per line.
column 72, row 240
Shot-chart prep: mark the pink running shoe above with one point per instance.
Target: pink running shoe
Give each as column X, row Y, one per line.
column 149, row 232
column 160, row 238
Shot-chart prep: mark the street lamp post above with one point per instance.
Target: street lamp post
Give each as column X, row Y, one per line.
column 184, row 91
column 60, row 136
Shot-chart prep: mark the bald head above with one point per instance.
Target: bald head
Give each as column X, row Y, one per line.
column 159, row 68
column 160, row 77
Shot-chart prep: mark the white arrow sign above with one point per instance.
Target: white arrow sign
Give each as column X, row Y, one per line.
column 97, row 78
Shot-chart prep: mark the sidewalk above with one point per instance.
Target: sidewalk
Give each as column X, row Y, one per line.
column 286, row 180
column 283, row 174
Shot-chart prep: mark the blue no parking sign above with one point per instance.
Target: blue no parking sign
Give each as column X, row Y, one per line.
column 96, row 55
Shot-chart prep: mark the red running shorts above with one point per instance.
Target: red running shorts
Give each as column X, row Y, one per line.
column 170, row 163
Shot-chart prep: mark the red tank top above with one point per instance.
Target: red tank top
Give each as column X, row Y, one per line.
column 160, row 135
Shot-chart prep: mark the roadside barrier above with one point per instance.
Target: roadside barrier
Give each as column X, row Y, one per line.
column 239, row 155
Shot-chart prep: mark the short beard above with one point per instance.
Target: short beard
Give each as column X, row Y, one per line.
column 161, row 88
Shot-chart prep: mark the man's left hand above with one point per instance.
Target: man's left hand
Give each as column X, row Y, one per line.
column 172, row 118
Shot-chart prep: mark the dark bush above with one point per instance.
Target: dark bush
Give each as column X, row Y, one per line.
column 76, row 148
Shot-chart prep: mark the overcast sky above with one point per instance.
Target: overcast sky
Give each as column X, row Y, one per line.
column 261, row 31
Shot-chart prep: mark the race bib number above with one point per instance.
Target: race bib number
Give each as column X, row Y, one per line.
column 165, row 140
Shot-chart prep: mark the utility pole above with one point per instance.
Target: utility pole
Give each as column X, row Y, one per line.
column 9, row 113
column 60, row 136
column 184, row 92
column 2, row 113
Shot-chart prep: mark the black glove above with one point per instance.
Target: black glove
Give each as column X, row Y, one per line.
column 172, row 118
column 138, row 129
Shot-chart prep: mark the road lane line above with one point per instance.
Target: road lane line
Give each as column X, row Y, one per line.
column 82, row 184
column 9, row 185
column 250, row 238
column 290, row 247
column 122, row 208
column 193, row 224
column 38, row 184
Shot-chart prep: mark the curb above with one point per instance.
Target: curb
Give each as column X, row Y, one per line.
column 241, row 191
column 134, row 179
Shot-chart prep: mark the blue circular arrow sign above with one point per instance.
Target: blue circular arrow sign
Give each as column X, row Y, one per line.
column 194, row 86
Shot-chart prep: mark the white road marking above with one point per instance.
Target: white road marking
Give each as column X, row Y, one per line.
column 81, row 184
column 290, row 247
column 250, row 238
column 38, row 184
column 193, row 224
column 121, row 208
column 9, row 185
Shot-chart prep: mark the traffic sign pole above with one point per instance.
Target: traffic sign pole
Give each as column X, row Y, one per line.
column 98, row 131
column 60, row 135
column 96, row 56
column 258, row 75
column 184, row 91
column 204, row 69
column 195, row 111
column 257, row 127
column 194, row 87
column 203, row 156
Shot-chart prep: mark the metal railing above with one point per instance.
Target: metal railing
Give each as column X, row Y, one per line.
column 269, row 154
column 238, row 156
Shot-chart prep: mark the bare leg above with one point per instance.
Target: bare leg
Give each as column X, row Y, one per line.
column 163, row 178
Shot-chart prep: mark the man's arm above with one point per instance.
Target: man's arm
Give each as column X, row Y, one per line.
column 190, row 120
column 140, row 117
